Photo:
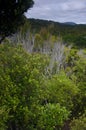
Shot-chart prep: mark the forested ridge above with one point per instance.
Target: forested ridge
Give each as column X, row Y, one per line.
column 70, row 32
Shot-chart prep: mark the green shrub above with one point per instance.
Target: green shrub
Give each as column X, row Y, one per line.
column 79, row 123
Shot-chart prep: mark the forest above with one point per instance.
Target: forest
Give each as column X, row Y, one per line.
column 42, row 72
column 70, row 32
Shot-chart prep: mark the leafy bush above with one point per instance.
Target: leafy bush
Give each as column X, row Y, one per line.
column 62, row 90
column 79, row 124
column 52, row 116
column 23, row 91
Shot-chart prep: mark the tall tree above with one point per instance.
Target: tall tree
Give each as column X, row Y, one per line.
column 11, row 15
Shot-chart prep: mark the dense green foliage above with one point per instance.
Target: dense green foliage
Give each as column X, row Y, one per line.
column 79, row 124
column 33, row 99
column 24, row 92
column 75, row 34
column 42, row 87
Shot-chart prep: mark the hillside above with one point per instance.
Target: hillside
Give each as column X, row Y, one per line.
column 43, row 77
column 74, row 33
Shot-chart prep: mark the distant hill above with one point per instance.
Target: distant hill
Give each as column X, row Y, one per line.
column 44, row 23
column 69, row 23
column 69, row 31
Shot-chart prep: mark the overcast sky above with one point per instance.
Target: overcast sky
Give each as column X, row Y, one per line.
column 59, row 10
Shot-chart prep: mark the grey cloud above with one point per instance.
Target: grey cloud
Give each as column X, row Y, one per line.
column 59, row 10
